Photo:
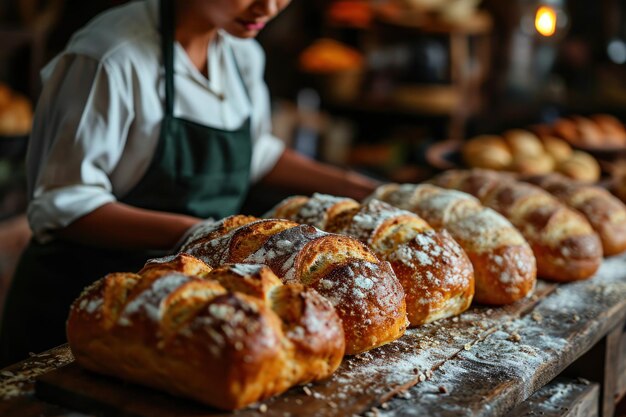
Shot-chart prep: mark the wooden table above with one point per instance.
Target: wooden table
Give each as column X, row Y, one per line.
column 486, row 362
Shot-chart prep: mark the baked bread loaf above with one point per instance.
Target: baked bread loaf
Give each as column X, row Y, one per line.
column 523, row 143
column 599, row 131
column 538, row 164
column 364, row 291
column 564, row 243
column 504, row 265
column 557, row 148
column 435, row 273
column 487, row 151
column 612, row 129
column 589, row 133
column 605, row 213
column 580, row 166
column 226, row 337
column 516, row 150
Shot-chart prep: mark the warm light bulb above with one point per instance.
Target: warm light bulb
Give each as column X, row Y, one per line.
column 545, row 21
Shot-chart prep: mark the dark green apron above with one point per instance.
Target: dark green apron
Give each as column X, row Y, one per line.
column 196, row 170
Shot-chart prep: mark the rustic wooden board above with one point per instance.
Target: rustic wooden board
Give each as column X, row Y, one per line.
column 621, row 369
column 562, row 398
column 360, row 383
column 506, row 367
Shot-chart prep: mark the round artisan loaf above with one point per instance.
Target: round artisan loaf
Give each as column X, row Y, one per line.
column 605, row 213
column 435, row 273
column 580, row 166
column 564, row 243
column 557, row 148
column 523, row 143
column 364, row 291
column 487, row 151
column 226, row 337
column 504, row 265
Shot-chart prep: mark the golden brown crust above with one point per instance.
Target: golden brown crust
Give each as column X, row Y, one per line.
column 580, row 166
column 210, row 231
column 565, row 245
column 567, row 130
column 303, row 254
column 371, row 304
column 487, row 151
column 523, row 143
column 318, row 210
column 287, row 208
column 313, row 326
column 255, row 280
column 433, row 270
column 589, row 134
column 317, row 256
column 249, row 238
column 183, row 263
column 504, row 265
column 343, row 220
column 499, row 286
column 196, row 338
column 557, row 148
column 542, row 163
column 605, row 213
column 436, row 274
column 612, row 129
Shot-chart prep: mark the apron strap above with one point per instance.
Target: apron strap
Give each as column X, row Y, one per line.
column 243, row 83
column 167, row 49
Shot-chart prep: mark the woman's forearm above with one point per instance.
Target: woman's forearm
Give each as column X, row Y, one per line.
column 298, row 172
column 117, row 225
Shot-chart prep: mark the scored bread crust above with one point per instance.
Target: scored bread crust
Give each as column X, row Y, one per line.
column 605, row 213
column 233, row 337
column 306, row 255
column 504, row 265
column 564, row 243
column 435, row 273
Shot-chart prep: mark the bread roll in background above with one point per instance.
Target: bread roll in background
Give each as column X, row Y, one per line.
column 605, row 213
column 612, row 129
column 589, row 134
column 580, row 166
column 523, row 143
column 564, row 243
column 533, row 164
column 487, row 151
column 228, row 337
column 567, row 130
column 557, row 148
column 598, row 131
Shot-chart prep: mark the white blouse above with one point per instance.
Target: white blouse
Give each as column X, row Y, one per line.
column 98, row 118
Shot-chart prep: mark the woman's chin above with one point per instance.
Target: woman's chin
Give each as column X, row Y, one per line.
column 242, row 33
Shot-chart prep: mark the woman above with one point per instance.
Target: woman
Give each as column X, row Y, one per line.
column 153, row 118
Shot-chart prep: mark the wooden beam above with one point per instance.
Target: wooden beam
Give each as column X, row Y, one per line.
column 562, row 397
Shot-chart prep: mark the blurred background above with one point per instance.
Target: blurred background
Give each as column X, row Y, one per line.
column 397, row 89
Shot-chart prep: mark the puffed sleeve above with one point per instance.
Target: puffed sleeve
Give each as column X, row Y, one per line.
column 79, row 132
column 267, row 147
